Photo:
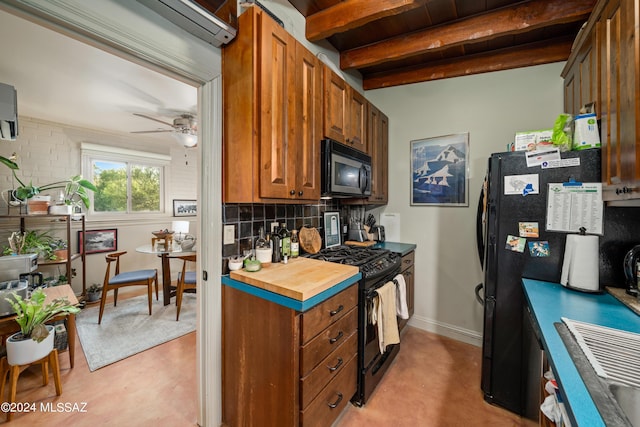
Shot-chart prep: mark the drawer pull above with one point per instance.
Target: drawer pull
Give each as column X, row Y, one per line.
column 336, row 403
column 333, row 340
column 337, row 310
column 333, row 368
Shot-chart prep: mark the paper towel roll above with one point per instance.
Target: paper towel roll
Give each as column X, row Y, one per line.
column 580, row 269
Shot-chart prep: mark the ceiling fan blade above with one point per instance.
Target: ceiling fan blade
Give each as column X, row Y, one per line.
column 152, row 131
column 155, row 120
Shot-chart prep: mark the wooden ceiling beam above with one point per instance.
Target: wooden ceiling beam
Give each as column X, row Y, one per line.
column 520, row 18
column 538, row 53
column 350, row 14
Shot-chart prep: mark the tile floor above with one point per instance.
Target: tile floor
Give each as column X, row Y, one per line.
column 434, row 381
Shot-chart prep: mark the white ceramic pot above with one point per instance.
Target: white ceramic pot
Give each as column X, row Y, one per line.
column 23, row 352
column 61, row 210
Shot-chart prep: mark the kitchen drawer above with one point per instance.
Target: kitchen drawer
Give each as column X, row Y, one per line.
column 328, row 369
column 407, row 260
column 328, row 312
column 331, row 401
column 327, row 341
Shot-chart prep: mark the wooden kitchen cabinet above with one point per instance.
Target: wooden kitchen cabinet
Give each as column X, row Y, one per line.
column 379, row 139
column 407, row 272
column 581, row 75
column 272, row 91
column 604, row 65
column 345, row 112
column 620, row 112
column 282, row 367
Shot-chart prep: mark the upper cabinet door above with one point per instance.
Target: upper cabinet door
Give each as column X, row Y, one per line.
column 277, row 111
column 308, row 123
column 345, row 112
column 336, row 112
column 378, row 136
column 357, row 125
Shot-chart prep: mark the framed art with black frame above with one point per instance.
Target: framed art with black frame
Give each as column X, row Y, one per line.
column 97, row 241
column 440, row 170
column 185, row 207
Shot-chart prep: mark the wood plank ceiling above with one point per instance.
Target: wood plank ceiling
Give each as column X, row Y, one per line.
column 396, row 42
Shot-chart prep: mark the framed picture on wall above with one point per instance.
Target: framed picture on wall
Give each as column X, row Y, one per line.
column 440, row 170
column 185, row 207
column 96, row 241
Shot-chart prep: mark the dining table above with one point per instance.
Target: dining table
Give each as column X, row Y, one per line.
column 165, row 252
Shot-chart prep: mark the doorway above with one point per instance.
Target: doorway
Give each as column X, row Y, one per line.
column 130, row 32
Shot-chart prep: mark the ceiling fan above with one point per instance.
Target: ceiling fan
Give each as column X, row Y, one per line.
column 185, row 128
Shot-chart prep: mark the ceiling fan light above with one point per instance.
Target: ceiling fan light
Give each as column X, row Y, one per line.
column 186, row 139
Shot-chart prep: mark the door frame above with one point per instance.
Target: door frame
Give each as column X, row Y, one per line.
column 117, row 27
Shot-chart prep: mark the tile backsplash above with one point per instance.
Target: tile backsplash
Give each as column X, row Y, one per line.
column 248, row 218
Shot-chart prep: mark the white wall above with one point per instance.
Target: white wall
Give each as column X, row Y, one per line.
column 48, row 152
column 491, row 107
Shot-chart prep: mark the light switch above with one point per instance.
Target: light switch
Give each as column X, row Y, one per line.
column 229, row 234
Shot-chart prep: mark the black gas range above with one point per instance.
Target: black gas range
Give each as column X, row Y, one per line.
column 377, row 266
column 372, row 262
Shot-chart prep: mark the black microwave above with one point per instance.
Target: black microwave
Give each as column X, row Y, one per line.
column 345, row 172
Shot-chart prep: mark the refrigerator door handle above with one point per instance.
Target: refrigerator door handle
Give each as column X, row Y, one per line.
column 480, row 226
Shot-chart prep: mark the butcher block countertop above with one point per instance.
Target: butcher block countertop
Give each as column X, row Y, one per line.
column 300, row 284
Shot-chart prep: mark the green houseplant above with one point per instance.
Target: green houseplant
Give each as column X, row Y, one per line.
column 94, row 292
column 74, row 190
column 31, row 242
column 35, row 339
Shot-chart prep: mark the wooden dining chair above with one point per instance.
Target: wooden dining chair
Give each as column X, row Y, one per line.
column 129, row 278
column 186, row 280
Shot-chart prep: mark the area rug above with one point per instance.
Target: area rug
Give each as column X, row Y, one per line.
column 128, row 329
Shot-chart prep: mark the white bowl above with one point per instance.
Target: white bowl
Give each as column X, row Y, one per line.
column 235, row 265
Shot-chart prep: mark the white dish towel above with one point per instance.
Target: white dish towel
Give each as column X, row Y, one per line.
column 401, row 297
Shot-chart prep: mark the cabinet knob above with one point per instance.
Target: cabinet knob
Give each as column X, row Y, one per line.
column 292, row 192
column 300, row 193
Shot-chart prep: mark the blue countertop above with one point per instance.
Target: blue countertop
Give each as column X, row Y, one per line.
column 551, row 301
column 399, row 248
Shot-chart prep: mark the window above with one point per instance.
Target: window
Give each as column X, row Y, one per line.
column 128, row 182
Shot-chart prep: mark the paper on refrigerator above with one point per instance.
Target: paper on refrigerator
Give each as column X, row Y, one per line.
column 521, row 184
column 574, row 205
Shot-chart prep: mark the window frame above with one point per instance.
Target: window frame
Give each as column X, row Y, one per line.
column 94, row 152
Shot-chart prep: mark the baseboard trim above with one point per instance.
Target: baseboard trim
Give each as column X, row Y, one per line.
column 455, row 332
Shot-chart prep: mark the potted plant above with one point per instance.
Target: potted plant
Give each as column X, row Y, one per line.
column 74, row 189
column 35, row 339
column 60, row 249
column 31, row 242
column 94, row 292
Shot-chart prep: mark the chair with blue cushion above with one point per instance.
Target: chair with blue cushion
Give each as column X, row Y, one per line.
column 186, row 280
column 129, row 278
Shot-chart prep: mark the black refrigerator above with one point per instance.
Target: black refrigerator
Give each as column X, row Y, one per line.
column 505, row 353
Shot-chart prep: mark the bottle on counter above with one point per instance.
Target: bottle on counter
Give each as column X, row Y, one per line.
column 275, row 255
column 295, row 244
column 262, row 249
column 285, row 237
